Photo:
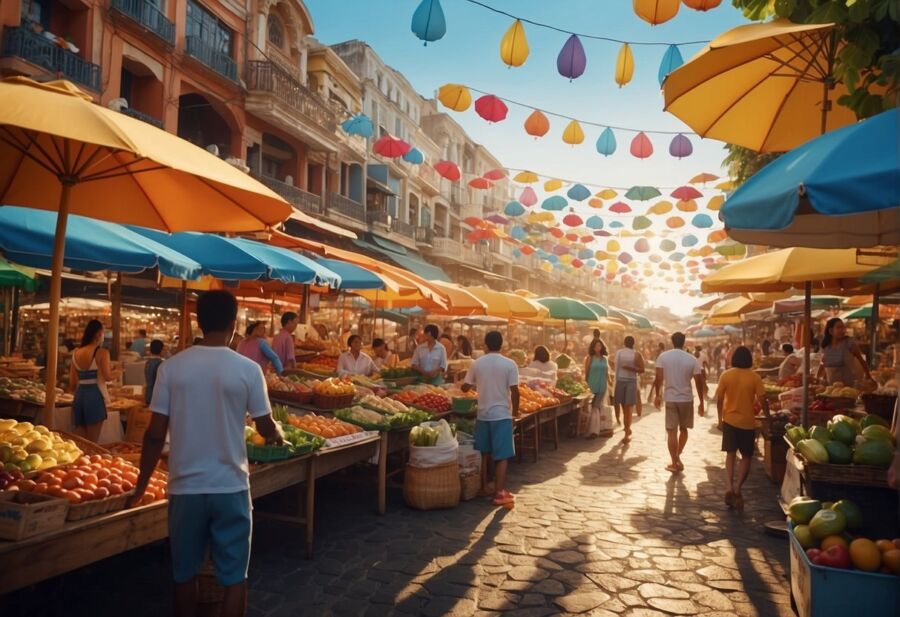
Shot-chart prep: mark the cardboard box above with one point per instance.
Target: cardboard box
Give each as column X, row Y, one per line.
column 24, row 514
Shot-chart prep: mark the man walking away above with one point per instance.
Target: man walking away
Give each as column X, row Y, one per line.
column 496, row 378
column 201, row 398
column 283, row 343
column 676, row 367
column 629, row 364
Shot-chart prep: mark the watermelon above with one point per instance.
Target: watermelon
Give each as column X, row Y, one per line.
column 838, row 453
column 872, row 420
column 876, row 431
column 877, row 452
column 826, row 523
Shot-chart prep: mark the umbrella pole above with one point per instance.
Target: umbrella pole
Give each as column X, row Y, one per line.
column 59, row 250
column 873, row 325
column 116, row 316
column 807, row 341
column 185, row 319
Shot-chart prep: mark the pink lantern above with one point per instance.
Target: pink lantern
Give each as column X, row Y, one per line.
column 641, row 147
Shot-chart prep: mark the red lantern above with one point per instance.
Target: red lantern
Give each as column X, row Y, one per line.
column 702, row 5
column 491, row 108
column 480, row 183
column 495, row 174
column 572, row 220
column 641, row 147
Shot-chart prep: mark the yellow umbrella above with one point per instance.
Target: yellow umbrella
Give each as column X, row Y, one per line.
column 765, row 86
column 60, row 151
column 525, row 177
column 510, row 306
column 459, row 301
column 729, row 311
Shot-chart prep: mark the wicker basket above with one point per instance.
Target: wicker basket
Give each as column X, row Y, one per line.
column 432, row 487
column 857, row 475
column 97, row 507
column 323, row 401
column 400, row 382
column 298, row 398
column 469, row 485
column 86, row 446
column 880, row 405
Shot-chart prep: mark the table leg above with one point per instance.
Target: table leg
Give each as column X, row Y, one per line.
column 537, row 435
column 555, row 429
column 310, row 506
column 382, row 472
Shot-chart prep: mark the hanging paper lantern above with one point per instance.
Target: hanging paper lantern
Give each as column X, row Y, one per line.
column 578, row 192
column 556, row 232
column 612, row 267
column 571, row 61
column 594, row 222
column 642, row 193
column 494, row 174
column 516, row 253
column 671, row 60
column 686, row 192
column 706, row 250
column 641, row 222
column 525, row 177
column 665, row 266
column 726, row 186
column 572, row 237
column 686, row 205
column 547, row 267
column 624, row 65
column 620, row 208
column 641, row 147
column 428, row 21
column 448, row 170
column 676, row 256
column 606, row 194
column 573, row 134
column 359, row 124
column 656, row 258
column 642, row 245
column 414, row 156
column 528, row 197
column 455, row 97
column 526, row 250
column 606, row 143
column 703, row 221
column 514, row 208
column 595, row 203
column 613, row 246
column 552, row 185
column 667, row 245
column 602, row 255
column 491, row 108
column 586, row 240
column 675, row 222
column 517, row 232
column 514, row 46
column 617, row 224
column 556, row 202
column 572, row 220
column 560, row 250
column 715, row 203
column 577, row 263
column 656, row 11
column 660, row 207
column 680, row 147
column 390, row 147
column 537, row 124
column 689, row 240
column 702, row 5
column 480, row 183
column 625, row 258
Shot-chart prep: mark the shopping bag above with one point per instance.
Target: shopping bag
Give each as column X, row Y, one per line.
column 605, row 420
column 584, row 417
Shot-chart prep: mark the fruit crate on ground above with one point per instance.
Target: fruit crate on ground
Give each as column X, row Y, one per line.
column 818, row 591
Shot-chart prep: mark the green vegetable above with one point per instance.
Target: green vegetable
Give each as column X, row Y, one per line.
column 842, row 431
column 838, row 453
column 802, row 509
column 813, row 451
column 820, row 434
column 563, row 361
column 826, row 523
column 878, row 432
column 851, row 512
column 872, row 420
column 877, row 452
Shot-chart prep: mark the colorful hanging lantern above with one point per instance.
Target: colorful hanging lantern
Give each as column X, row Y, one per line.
column 602, row 255
column 689, row 241
column 572, row 60
column 494, row 174
column 595, row 203
column 554, row 203
column 676, row 256
column 686, row 205
column 480, row 183
column 525, row 177
column 606, row 194
column 491, row 108
column 414, row 156
column 594, row 222
column 675, row 222
column 642, row 245
column 671, row 60
column 448, row 170
column 703, row 178
column 577, row 263
column 703, row 221
column 537, row 124
column 625, row 258
column 665, row 266
column 620, row 208
column 390, row 147
column 702, row 5
column 514, row 208
column 455, row 96
column 573, row 220
column 686, row 192
column 517, row 231
column 556, row 232
column 560, row 250
column 726, row 186
column 641, row 222
column 667, row 245
column 715, row 203
column 624, row 65
column 641, row 147
column 359, row 124
column 642, row 193
column 528, row 197
column 617, row 225
column 514, row 46
column 613, row 246
column 681, row 147
column 573, row 135
column 586, row 240
column 606, row 143
column 526, row 250
column 656, row 258
column 428, row 21
column 572, row 237
column 660, row 207
column 578, row 192
column 552, row 185
column 656, row 12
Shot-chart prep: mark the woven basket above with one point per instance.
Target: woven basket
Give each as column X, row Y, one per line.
column 86, row 446
column 880, row 405
column 857, row 475
column 469, row 485
column 131, row 457
column 323, row 401
column 299, row 398
column 97, row 507
column 431, row 488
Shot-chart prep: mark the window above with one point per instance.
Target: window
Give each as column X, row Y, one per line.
column 205, row 26
column 398, row 127
column 276, row 31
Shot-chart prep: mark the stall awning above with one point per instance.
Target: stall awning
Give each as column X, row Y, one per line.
column 411, row 261
column 487, row 273
column 389, row 245
column 317, row 225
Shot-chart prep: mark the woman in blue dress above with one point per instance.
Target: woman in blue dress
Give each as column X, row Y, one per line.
column 90, row 371
column 596, row 373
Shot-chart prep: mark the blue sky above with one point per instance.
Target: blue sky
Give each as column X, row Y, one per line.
column 469, row 54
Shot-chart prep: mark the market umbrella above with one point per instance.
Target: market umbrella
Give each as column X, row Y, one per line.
column 359, row 124
column 794, row 304
column 61, row 152
column 13, row 275
column 642, row 193
column 729, row 311
column 507, row 305
column 840, row 190
column 765, row 86
column 568, row 309
column 390, row 146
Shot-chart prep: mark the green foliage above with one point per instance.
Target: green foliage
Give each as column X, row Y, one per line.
column 742, row 163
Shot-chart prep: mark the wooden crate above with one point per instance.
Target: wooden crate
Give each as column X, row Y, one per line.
column 24, row 514
column 774, row 458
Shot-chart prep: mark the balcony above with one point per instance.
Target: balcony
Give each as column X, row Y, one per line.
column 445, row 248
column 404, row 229
column 139, row 115
column 21, row 42
column 473, row 257
column 471, row 210
column 424, row 235
column 269, row 78
column 346, row 207
column 206, row 53
column 307, row 202
column 148, row 16
column 430, row 180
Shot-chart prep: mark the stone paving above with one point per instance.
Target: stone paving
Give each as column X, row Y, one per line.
column 600, row 528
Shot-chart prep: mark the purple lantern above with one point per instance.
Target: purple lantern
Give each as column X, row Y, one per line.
column 571, row 61
column 681, row 146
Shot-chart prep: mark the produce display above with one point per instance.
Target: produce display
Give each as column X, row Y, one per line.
column 433, row 402
column 839, row 390
column 844, row 440
column 323, row 426
column 299, row 440
column 334, row 386
column 290, row 383
column 464, row 425
column 423, row 436
column 780, row 420
column 123, row 447
column 383, row 405
column 400, row 372
column 531, row 400
column 572, row 386
column 563, row 361
column 363, row 417
column 25, row 447
column 30, row 391
column 828, row 532
column 518, row 356
column 407, row 397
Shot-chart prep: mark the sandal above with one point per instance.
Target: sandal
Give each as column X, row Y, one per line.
column 673, row 468
column 729, row 499
column 504, row 498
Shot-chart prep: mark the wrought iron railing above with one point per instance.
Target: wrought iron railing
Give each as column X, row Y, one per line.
column 404, row 229
column 134, row 113
column 204, row 51
column 346, row 206
column 149, row 16
column 269, row 77
column 37, row 49
column 300, row 199
column 424, row 235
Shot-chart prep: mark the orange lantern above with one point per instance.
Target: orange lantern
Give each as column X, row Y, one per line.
column 656, row 12
column 537, row 124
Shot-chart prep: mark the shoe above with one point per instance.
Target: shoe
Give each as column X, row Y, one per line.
column 504, row 498
column 673, row 468
column 729, row 499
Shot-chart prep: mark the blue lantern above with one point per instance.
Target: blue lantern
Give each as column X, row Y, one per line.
column 428, row 21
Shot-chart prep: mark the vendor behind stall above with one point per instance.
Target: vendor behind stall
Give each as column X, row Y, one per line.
column 791, row 364
column 839, row 353
column 382, row 356
column 542, row 364
column 355, row 361
column 255, row 347
column 430, row 357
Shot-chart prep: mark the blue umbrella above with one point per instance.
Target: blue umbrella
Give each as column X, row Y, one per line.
column 27, row 237
column 414, row 156
column 671, row 60
column 359, row 124
column 840, row 190
column 578, row 192
column 514, row 208
column 606, row 143
column 556, row 202
column 594, row 222
column 352, row 276
column 617, row 224
column 689, row 240
column 703, row 221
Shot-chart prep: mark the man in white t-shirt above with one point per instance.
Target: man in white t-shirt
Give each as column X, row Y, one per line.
column 497, row 380
column 677, row 368
column 201, row 398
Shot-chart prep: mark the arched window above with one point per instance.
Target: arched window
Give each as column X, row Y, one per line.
column 276, row 31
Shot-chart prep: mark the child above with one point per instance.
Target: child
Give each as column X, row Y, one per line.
column 151, row 367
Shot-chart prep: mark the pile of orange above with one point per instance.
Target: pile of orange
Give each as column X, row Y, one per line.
column 526, row 393
column 323, row 426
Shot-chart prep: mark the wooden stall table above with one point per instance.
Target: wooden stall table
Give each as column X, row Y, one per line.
column 548, row 416
column 522, row 426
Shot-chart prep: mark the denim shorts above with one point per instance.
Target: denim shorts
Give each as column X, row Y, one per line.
column 89, row 407
column 220, row 523
column 495, row 437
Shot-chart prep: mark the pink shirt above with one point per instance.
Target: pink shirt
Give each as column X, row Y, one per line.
column 283, row 346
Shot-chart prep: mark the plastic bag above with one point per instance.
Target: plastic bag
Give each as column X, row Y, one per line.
column 445, row 433
column 432, row 456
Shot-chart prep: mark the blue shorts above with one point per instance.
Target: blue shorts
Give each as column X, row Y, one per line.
column 218, row 522
column 89, row 407
column 495, row 437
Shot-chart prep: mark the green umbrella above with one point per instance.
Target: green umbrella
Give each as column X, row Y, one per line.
column 12, row 275
column 597, row 308
column 566, row 309
column 642, row 193
column 639, row 320
column 865, row 312
column 890, row 272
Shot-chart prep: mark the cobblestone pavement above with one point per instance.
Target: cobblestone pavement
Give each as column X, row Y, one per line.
column 600, row 528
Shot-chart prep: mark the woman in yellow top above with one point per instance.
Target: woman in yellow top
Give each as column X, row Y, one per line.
column 737, row 394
